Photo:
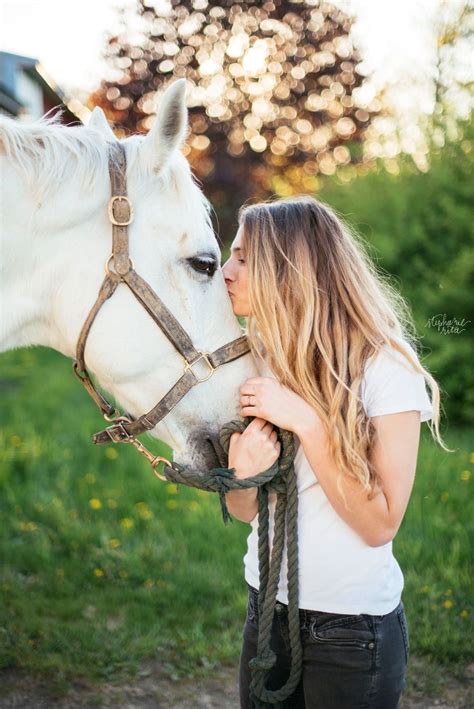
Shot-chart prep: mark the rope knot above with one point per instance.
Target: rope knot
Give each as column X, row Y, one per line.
column 263, row 662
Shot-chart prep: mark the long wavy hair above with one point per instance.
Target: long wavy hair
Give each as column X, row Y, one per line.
column 319, row 309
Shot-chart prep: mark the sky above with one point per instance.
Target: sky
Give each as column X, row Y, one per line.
column 68, row 38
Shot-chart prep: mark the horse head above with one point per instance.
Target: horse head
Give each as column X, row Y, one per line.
column 57, row 237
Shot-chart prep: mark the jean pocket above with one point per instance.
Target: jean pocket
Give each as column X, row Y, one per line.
column 345, row 631
column 252, row 610
column 404, row 628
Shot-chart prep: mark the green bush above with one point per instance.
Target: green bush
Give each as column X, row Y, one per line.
column 421, row 228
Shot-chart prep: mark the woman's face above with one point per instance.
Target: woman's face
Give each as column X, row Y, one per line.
column 235, row 275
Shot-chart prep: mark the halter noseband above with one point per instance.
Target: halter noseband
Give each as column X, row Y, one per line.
column 125, row 428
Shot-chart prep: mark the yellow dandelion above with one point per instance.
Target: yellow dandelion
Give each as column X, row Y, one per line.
column 115, row 543
column 193, row 505
column 464, row 613
column 111, row 453
column 95, row 503
column 448, row 603
column 148, row 583
column 465, row 475
column 123, row 574
column 89, row 478
column 171, row 504
column 127, row 523
column 141, row 505
column 98, row 572
column 471, row 458
column 444, row 496
column 112, row 504
column 172, row 489
column 145, row 514
column 16, row 441
column 28, row 526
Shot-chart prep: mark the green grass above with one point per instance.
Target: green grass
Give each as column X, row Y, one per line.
column 102, row 565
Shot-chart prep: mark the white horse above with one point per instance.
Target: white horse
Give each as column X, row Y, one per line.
column 56, row 237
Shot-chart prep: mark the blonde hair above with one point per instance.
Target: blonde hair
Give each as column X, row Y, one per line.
column 318, row 310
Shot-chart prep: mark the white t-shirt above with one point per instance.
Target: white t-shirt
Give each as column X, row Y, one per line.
column 338, row 571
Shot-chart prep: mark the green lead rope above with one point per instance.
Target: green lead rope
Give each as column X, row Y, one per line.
column 280, row 478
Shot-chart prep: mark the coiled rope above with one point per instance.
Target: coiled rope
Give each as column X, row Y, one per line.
column 280, row 478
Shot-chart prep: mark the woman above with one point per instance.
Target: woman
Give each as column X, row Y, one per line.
column 332, row 342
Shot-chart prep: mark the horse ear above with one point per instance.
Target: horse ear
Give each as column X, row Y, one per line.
column 98, row 121
column 170, row 127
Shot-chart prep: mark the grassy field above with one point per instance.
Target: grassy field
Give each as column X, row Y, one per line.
column 103, row 566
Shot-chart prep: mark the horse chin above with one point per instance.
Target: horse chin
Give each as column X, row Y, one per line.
column 202, row 451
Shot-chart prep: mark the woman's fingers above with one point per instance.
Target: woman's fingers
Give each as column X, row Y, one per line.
column 257, row 423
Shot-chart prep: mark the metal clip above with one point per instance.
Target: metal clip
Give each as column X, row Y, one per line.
column 154, row 460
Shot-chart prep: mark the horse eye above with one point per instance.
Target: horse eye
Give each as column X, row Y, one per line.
column 203, row 265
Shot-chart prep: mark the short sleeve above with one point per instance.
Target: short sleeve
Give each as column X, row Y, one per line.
column 390, row 385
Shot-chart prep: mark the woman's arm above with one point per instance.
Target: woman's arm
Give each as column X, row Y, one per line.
column 242, row 504
column 394, row 457
column 250, row 452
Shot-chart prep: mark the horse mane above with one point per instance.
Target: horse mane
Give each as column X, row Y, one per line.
column 47, row 153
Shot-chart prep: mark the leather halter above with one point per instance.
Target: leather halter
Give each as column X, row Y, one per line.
column 125, row 428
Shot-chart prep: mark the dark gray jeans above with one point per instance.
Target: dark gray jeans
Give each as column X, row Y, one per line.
column 349, row 661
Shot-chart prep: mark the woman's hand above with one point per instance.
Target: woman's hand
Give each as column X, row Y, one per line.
column 277, row 404
column 255, row 450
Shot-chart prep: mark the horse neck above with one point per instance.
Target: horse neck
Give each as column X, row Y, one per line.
column 38, row 241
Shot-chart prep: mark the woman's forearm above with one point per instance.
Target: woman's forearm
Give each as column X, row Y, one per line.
column 242, row 504
column 369, row 518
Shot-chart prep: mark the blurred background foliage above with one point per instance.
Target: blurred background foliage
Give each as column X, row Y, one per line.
column 273, row 91
column 421, row 230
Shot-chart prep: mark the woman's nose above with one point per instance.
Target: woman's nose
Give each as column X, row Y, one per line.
column 226, row 271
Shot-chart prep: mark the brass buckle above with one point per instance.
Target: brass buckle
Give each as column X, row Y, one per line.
column 205, row 356
column 112, row 218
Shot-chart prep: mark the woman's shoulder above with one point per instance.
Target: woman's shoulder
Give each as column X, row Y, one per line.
column 389, row 357
column 391, row 384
